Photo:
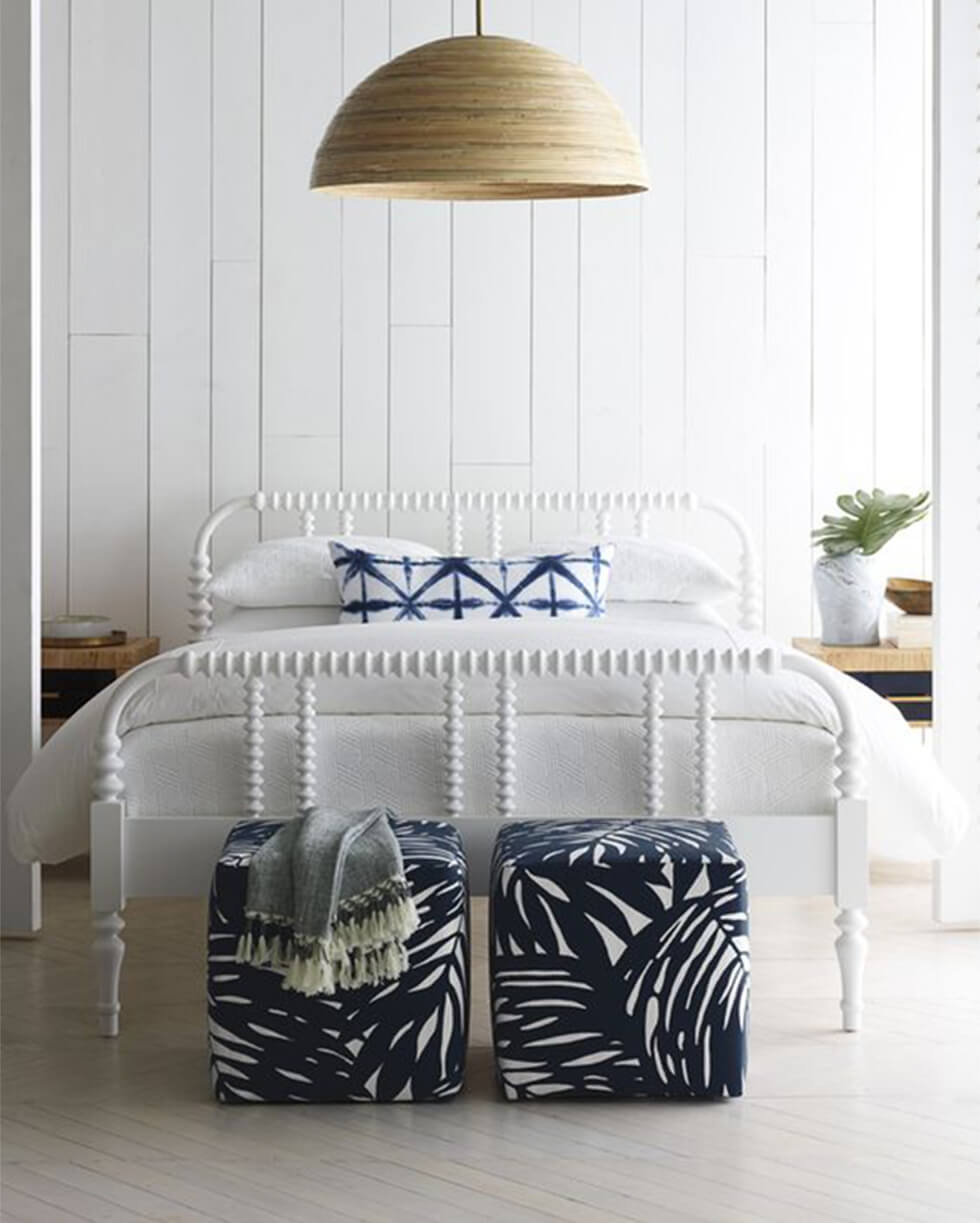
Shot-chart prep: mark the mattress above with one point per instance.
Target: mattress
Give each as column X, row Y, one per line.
column 575, row 765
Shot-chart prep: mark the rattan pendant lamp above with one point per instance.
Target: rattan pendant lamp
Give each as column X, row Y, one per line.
column 479, row 118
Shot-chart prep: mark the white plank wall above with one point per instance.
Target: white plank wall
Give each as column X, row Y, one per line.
column 236, row 269
column 754, row 326
column 788, row 361
column 180, row 277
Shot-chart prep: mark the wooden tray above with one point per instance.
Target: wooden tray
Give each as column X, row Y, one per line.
column 83, row 643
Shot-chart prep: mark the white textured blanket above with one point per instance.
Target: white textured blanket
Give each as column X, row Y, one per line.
column 769, row 728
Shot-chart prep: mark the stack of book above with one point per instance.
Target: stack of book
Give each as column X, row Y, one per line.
column 909, row 632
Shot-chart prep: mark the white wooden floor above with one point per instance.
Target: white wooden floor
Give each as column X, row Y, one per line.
column 881, row 1127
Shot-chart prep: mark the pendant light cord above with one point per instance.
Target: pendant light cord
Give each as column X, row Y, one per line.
column 479, row 16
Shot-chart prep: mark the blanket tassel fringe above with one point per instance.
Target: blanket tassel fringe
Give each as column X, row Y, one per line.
column 365, row 944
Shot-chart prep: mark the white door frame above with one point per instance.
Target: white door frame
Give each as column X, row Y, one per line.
column 20, row 578
column 956, row 418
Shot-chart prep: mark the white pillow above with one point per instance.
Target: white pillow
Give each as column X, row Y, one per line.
column 298, row 571
column 654, row 570
column 258, row 619
column 665, row 613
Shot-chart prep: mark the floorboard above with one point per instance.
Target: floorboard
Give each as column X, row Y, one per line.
column 885, row 1126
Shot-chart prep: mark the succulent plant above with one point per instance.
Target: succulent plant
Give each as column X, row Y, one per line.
column 869, row 521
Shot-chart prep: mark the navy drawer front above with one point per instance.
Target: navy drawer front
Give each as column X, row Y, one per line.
column 63, row 692
column 913, row 711
column 909, row 691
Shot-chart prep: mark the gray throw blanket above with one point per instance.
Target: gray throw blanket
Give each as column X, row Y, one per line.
column 328, row 902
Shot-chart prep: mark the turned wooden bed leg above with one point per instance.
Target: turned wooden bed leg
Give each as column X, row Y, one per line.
column 108, row 901
column 852, row 898
column 108, row 950
column 852, row 950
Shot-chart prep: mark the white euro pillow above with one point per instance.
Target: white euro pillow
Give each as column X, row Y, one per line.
column 664, row 613
column 297, row 571
column 653, row 570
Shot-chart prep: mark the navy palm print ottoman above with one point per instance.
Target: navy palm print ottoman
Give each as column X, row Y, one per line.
column 404, row 1040
column 619, row 959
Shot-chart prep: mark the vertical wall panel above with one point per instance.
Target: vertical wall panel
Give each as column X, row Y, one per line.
column 420, row 313
column 420, row 262
column 420, row 424
column 365, row 237
column 725, row 127
column 509, row 18
column 54, row 219
column 108, row 537
column 236, row 279
column 235, row 426
column 900, row 286
column 237, row 128
column 491, row 332
column 725, row 221
column 957, row 423
column 516, row 524
column 420, row 229
column 554, row 342
column 492, row 305
column 789, row 183
column 843, row 252
column 555, row 306
column 611, row 297
column 663, row 382
column 301, row 228
column 844, row 10
column 724, row 394
column 109, row 165
column 180, row 301
column 300, row 462
column 417, row 21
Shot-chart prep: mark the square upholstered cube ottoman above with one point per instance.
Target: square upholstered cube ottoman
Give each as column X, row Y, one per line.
column 404, row 1040
column 619, row 959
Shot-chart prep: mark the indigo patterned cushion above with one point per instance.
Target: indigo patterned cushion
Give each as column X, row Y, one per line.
column 570, row 585
column 401, row 1040
column 619, row 958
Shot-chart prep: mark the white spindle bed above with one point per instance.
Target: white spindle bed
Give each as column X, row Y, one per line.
column 800, row 854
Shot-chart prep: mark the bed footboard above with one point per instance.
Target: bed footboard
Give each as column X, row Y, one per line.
column 803, row 854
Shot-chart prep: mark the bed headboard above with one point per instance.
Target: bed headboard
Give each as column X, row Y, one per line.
column 346, row 505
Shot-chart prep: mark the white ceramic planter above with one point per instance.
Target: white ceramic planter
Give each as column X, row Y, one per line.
column 849, row 593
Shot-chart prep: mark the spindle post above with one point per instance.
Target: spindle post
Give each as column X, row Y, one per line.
column 704, row 729
column 201, row 604
column 495, row 530
column 506, row 731
column 305, row 741
column 653, row 745
column 453, row 738
column 254, row 748
column 455, row 529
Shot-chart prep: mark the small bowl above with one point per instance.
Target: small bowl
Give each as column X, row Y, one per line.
column 912, row 595
column 77, row 626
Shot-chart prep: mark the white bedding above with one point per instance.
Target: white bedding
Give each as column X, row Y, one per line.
column 231, row 619
column 578, row 743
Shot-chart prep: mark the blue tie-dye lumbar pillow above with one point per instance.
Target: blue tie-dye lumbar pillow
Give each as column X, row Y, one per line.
column 566, row 585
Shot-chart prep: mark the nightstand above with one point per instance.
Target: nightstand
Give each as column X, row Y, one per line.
column 903, row 677
column 72, row 676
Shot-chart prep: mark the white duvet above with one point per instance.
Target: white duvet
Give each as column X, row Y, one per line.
column 579, row 741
